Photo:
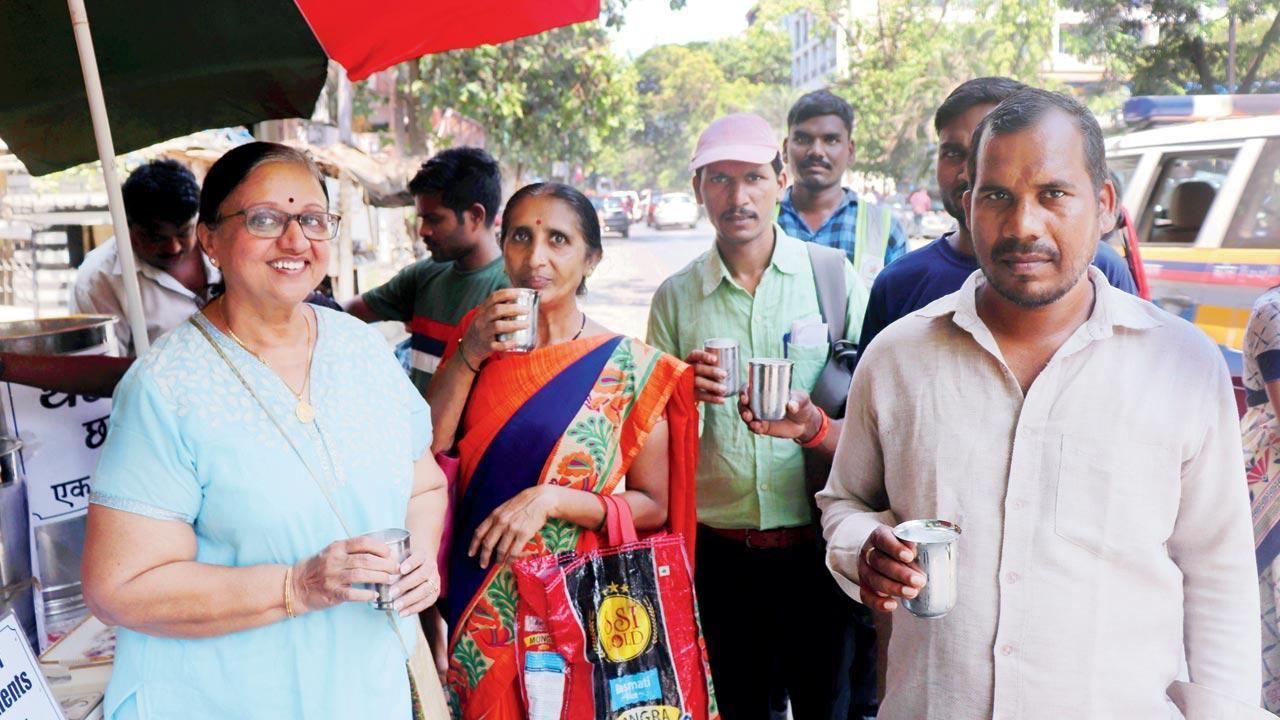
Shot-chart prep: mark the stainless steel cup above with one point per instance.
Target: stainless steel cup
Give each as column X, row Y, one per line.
column 770, row 388
column 397, row 540
column 526, row 339
column 727, row 359
column 937, row 545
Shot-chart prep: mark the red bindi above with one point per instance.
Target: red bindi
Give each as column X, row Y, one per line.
column 538, row 221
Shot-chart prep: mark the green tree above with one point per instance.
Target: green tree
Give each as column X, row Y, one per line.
column 906, row 56
column 678, row 94
column 556, row 96
column 1191, row 49
column 761, row 56
column 682, row 88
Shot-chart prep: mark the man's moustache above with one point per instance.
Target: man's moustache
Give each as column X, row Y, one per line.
column 1013, row 247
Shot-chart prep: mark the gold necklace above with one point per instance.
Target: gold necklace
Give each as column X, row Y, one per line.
column 304, row 411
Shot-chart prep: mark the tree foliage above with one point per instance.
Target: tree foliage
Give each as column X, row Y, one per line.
column 1191, row 53
column 680, row 89
column 557, row 96
column 905, row 57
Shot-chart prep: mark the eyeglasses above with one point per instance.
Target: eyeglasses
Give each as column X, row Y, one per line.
column 265, row 222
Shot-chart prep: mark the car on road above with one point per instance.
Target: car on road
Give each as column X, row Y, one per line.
column 675, row 209
column 630, row 202
column 613, row 216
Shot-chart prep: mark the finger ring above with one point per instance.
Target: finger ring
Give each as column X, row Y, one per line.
column 866, row 556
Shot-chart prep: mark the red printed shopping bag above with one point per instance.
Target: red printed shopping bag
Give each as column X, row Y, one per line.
column 613, row 634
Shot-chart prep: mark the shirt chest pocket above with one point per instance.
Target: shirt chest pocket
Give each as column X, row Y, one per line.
column 1116, row 498
column 807, row 363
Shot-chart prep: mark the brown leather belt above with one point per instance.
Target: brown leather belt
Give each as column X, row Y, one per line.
column 767, row 539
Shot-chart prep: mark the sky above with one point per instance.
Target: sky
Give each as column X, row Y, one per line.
column 653, row 22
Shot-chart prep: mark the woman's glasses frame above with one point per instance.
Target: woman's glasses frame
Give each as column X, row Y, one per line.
column 315, row 225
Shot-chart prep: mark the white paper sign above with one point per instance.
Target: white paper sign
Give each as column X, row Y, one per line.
column 62, row 436
column 24, row 693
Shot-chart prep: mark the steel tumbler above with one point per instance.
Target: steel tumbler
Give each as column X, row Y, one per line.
column 937, row 546
column 727, row 359
column 526, row 339
column 770, row 388
column 397, row 540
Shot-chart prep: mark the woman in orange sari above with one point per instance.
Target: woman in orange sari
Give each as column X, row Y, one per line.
column 541, row 435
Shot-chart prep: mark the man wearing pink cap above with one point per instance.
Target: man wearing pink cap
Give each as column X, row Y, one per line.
column 777, row 627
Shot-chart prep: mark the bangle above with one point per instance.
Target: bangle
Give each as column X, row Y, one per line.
column 604, row 505
column 288, row 593
column 463, row 352
column 819, row 436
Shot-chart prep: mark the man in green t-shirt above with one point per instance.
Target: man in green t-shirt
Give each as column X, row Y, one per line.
column 456, row 194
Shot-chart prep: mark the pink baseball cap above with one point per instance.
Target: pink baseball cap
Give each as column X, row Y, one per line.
column 741, row 136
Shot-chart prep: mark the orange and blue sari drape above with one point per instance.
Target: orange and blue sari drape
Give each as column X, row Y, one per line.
column 574, row 414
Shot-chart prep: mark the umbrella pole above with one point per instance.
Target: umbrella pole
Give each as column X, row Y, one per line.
column 107, row 154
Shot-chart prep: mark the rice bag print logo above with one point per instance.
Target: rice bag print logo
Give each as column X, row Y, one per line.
column 624, row 624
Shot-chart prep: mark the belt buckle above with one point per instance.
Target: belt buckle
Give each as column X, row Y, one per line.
column 747, row 539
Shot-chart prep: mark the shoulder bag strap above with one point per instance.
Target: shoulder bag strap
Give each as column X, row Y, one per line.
column 833, row 296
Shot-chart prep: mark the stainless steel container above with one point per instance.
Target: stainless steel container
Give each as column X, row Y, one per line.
column 15, row 557
column 63, row 610
column 937, row 549
column 58, row 545
column 397, row 540
column 57, row 335
column 770, row 388
column 526, row 339
column 727, row 359
column 15, row 542
column 9, row 447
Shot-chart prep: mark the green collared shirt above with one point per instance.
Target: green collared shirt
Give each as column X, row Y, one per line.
column 746, row 480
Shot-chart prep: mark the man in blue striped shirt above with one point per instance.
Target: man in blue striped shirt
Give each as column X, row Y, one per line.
column 816, row 208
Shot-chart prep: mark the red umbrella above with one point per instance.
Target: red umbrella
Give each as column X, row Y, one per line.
column 381, row 34
column 172, row 68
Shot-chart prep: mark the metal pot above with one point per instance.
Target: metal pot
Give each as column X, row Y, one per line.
column 56, row 336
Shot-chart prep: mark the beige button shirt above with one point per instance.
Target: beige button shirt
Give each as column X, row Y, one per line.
column 166, row 302
column 1104, row 516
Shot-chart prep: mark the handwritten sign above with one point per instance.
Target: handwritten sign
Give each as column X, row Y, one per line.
column 24, row 692
column 62, row 435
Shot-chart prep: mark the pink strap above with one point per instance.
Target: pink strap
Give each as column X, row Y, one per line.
column 621, row 525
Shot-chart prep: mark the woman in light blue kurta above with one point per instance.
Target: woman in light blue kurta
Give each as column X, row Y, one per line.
column 208, row 531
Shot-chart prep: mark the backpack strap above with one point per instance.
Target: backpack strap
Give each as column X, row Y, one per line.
column 833, row 297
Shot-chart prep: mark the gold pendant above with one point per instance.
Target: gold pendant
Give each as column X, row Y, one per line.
column 304, row 412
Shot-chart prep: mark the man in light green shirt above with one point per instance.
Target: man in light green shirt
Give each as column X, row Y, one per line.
column 761, row 580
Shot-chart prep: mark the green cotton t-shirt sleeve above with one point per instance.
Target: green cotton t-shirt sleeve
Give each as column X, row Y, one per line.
column 394, row 299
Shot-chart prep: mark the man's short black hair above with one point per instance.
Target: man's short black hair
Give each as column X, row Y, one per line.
column 820, row 102
column 972, row 93
column 161, row 190
column 1029, row 106
column 462, row 177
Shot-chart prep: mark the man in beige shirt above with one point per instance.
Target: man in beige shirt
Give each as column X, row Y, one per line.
column 1086, row 443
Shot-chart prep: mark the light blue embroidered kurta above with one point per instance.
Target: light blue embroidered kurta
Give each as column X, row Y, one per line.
column 188, row 443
